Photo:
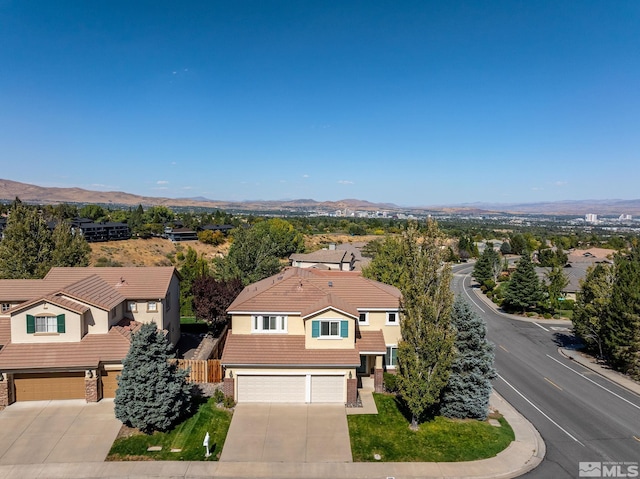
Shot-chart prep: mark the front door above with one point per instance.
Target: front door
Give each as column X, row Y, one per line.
column 363, row 368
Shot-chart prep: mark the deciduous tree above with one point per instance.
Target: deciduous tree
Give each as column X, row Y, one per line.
column 212, row 297
column 592, row 306
column 622, row 323
column 425, row 350
column 25, row 250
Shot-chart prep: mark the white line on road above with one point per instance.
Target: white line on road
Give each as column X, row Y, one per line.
column 540, row 326
column 469, row 296
column 540, row 411
column 592, row 381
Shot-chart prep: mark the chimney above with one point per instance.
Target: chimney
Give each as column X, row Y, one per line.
column 332, row 246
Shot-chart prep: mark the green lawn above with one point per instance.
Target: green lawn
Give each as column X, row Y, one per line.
column 187, row 436
column 441, row 440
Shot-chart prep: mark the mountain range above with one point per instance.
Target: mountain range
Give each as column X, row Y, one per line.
column 9, row 190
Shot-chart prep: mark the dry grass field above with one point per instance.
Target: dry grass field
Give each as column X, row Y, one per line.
column 162, row 252
column 150, row 252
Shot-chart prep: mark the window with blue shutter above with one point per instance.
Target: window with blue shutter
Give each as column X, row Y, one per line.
column 31, row 324
column 315, row 329
column 61, row 328
column 344, row 329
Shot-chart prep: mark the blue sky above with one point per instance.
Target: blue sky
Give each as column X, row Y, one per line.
column 413, row 103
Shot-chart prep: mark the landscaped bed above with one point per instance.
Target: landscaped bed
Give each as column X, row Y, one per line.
column 387, row 434
column 185, row 439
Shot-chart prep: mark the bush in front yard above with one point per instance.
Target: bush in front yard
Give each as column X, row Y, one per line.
column 390, row 382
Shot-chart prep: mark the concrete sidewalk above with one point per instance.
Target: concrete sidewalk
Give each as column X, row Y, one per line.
column 522, row 455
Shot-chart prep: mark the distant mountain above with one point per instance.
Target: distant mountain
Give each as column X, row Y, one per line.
column 9, row 190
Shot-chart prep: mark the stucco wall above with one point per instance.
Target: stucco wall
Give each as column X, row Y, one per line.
column 332, row 342
column 73, row 325
column 378, row 321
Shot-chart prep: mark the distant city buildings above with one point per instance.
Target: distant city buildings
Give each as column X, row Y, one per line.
column 591, row 218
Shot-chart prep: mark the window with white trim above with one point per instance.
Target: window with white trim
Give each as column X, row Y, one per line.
column 330, row 329
column 6, row 307
column 269, row 324
column 392, row 317
column 391, row 358
column 363, row 318
column 132, row 306
column 152, row 306
column 46, row 324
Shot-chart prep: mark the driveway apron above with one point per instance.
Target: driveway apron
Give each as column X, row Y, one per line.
column 35, row 432
column 269, row 432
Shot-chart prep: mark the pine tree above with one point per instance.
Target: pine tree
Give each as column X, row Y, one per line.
column 488, row 265
column 469, row 387
column 25, row 250
column 426, row 349
column 152, row 393
column 622, row 323
column 524, row 289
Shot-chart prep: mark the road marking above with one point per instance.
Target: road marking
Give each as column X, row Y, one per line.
column 540, row 326
column 557, row 328
column 592, row 381
column 505, row 349
column 540, row 411
column 467, row 293
column 552, row 383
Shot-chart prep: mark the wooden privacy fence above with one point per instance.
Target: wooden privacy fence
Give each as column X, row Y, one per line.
column 202, row 370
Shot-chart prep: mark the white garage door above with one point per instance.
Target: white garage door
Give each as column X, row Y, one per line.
column 327, row 389
column 271, row 388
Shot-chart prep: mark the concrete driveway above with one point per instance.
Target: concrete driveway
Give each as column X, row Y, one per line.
column 35, row 432
column 268, row 432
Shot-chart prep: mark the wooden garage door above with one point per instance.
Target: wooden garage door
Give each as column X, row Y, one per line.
column 271, row 388
column 109, row 383
column 327, row 389
column 39, row 387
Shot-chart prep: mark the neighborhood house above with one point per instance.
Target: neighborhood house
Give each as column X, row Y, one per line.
column 65, row 336
column 310, row 335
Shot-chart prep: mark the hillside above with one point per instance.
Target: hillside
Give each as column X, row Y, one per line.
column 149, row 252
column 9, row 190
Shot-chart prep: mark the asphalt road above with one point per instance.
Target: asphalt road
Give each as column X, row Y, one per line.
column 582, row 416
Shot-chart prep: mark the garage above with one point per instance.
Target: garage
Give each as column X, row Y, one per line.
column 291, row 388
column 109, row 383
column 271, row 388
column 46, row 386
column 327, row 389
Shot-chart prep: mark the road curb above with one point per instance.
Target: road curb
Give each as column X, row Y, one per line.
column 613, row 376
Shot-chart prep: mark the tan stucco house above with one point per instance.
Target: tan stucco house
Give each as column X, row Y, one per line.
column 65, row 336
column 307, row 335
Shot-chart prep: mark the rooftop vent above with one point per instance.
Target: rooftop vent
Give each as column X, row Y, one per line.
column 331, row 284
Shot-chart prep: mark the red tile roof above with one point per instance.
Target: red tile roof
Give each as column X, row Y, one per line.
column 371, row 342
column 95, row 291
column 282, row 350
column 5, row 330
column 57, row 300
column 87, row 353
column 131, row 282
column 299, row 290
